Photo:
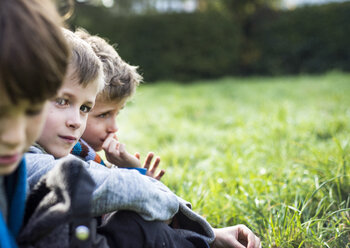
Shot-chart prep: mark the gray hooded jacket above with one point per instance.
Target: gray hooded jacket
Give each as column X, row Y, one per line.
column 120, row 189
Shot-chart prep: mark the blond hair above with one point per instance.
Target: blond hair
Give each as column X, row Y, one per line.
column 121, row 79
column 86, row 66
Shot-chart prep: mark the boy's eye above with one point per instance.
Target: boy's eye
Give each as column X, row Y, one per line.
column 61, row 101
column 3, row 112
column 104, row 115
column 34, row 110
column 85, row 109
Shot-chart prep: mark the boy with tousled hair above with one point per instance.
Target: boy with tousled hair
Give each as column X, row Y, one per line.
column 33, row 61
column 68, row 110
column 121, row 80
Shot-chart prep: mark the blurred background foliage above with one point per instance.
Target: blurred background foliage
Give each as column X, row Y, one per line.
column 217, row 38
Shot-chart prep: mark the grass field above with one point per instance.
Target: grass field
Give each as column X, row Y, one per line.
column 272, row 153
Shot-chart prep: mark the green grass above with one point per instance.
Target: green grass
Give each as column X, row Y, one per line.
column 271, row 153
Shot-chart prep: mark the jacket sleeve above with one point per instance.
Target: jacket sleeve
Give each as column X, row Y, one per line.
column 116, row 189
column 187, row 219
column 122, row 189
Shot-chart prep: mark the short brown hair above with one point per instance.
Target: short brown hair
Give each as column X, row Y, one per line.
column 33, row 51
column 121, row 79
column 86, row 66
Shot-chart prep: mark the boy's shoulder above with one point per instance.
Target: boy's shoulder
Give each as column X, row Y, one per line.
column 36, row 149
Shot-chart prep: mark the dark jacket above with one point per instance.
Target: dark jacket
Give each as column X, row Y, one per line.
column 58, row 204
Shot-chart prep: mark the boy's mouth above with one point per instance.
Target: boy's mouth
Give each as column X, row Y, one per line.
column 68, row 139
column 9, row 159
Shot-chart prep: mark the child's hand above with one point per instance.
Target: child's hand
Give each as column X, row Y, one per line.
column 238, row 236
column 117, row 154
column 151, row 171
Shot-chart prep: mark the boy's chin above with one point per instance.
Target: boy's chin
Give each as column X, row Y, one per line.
column 98, row 149
column 9, row 163
column 7, row 169
column 61, row 153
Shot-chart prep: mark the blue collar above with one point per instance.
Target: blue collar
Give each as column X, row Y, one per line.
column 15, row 187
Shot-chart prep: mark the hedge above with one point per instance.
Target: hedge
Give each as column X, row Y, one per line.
column 312, row 39
column 169, row 46
column 183, row 46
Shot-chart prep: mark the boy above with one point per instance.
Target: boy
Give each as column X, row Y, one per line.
column 121, row 82
column 68, row 110
column 33, row 60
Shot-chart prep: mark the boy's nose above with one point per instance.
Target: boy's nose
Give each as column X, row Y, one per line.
column 112, row 127
column 74, row 120
column 74, row 124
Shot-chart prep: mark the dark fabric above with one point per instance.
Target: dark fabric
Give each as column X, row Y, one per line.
column 181, row 221
column 125, row 229
column 61, row 198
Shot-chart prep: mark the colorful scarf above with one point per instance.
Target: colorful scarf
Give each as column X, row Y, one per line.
column 84, row 151
column 87, row 153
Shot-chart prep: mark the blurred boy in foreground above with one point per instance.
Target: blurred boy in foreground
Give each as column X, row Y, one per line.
column 33, row 60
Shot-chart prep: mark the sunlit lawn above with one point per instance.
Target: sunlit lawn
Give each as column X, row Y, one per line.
column 272, row 153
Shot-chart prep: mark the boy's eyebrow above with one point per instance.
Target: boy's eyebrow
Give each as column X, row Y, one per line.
column 105, row 111
column 71, row 95
column 67, row 94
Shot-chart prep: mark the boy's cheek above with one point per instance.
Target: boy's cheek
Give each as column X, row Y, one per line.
column 36, row 125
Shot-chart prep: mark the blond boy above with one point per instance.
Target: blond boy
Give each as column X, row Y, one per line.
column 69, row 109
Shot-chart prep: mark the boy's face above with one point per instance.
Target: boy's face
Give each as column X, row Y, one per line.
column 102, row 122
column 20, row 126
column 67, row 116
